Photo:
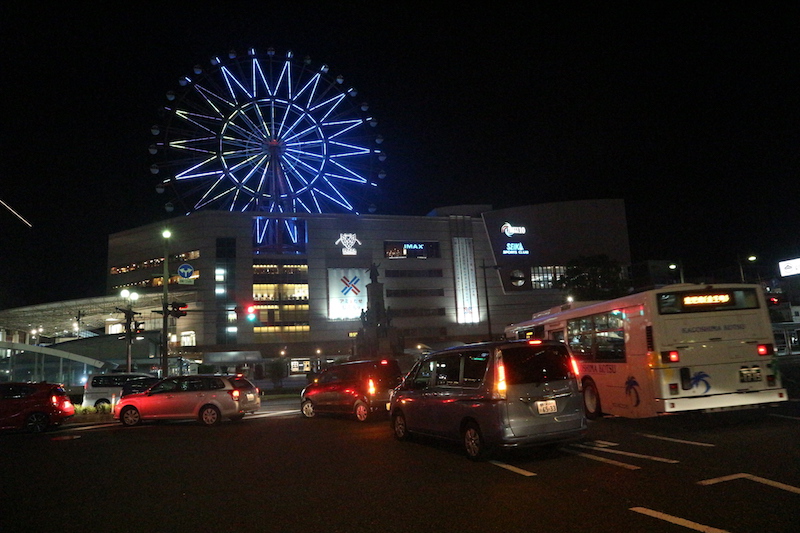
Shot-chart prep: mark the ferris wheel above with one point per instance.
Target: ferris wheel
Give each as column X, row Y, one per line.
column 267, row 133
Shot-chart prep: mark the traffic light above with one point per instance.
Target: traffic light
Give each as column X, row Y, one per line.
column 138, row 327
column 251, row 313
column 178, row 309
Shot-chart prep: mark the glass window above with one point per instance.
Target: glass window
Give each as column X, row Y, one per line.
column 421, row 379
column 531, row 364
column 475, row 364
column 448, row 369
column 706, row 301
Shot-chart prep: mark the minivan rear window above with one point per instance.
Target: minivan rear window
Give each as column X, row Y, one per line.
column 531, row 364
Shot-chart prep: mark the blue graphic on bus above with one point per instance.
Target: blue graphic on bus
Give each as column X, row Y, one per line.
column 632, row 389
column 701, row 377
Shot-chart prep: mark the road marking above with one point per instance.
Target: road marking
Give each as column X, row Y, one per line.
column 676, row 520
column 681, row 441
column 785, row 416
column 95, row 426
column 751, row 477
column 274, row 413
column 513, row 469
column 628, row 454
column 602, row 459
column 603, row 443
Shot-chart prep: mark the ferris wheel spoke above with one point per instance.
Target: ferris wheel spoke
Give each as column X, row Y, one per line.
column 229, row 78
column 354, row 176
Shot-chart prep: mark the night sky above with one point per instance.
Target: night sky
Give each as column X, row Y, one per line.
column 690, row 114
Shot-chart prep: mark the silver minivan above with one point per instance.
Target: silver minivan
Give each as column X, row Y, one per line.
column 506, row 394
column 106, row 389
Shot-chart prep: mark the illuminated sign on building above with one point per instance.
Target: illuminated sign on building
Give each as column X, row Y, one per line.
column 466, row 285
column 515, row 248
column 790, row 267
column 411, row 249
column 346, row 294
column 510, row 230
column 348, row 242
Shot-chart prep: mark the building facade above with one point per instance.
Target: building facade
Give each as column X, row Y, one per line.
column 266, row 285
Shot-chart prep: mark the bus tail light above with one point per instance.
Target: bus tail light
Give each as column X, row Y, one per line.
column 371, row 387
column 766, row 349
column 670, row 356
column 771, row 380
column 673, row 389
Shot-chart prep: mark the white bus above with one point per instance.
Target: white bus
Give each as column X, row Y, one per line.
column 678, row 348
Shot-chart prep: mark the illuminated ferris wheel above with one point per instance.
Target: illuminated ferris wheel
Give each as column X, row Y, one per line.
column 263, row 133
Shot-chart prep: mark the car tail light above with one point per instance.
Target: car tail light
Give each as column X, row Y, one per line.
column 234, row 394
column 371, row 387
column 500, row 385
column 766, row 349
column 575, row 369
column 535, row 341
column 54, row 400
column 670, row 356
column 384, row 362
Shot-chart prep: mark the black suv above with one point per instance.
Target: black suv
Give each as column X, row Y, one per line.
column 360, row 388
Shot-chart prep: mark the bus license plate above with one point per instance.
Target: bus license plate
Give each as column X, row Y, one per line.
column 546, row 407
column 749, row 375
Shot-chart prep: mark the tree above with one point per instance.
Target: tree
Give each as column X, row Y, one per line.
column 596, row 277
column 277, row 371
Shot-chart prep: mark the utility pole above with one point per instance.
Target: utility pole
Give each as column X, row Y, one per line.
column 164, row 309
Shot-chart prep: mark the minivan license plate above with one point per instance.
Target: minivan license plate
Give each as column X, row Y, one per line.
column 547, row 407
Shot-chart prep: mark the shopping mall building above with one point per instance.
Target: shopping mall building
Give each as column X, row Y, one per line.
column 260, row 286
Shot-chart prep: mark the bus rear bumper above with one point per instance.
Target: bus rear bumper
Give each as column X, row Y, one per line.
column 722, row 401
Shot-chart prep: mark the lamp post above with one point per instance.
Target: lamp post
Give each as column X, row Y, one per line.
column 484, row 266
column 166, row 234
column 129, row 315
column 679, row 267
column 750, row 259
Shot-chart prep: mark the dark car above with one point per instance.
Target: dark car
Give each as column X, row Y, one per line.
column 506, row 394
column 359, row 388
column 33, row 406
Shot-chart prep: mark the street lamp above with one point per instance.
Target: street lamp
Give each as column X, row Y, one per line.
column 679, row 267
column 166, row 234
column 129, row 316
column 750, row 259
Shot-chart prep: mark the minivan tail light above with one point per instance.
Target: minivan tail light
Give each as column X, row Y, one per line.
column 500, row 385
column 235, row 394
column 371, row 387
column 575, row 369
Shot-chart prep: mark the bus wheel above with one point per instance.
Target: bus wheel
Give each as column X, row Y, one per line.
column 591, row 400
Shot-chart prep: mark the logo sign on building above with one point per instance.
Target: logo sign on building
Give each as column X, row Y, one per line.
column 348, row 242
column 347, row 295
column 514, row 247
column 790, row 267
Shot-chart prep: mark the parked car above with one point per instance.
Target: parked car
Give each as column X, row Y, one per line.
column 360, row 388
column 207, row 398
column 106, row 389
column 33, row 406
column 492, row 395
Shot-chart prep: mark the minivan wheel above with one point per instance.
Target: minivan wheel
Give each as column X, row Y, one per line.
column 361, row 411
column 101, row 403
column 36, row 422
column 130, row 416
column 399, row 426
column 474, row 444
column 307, row 408
column 210, row 415
column 591, row 400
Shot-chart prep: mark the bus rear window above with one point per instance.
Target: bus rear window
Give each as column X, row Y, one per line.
column 670, row 303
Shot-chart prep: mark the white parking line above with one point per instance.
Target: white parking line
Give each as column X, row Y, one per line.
column 629, row 454
column 678, row 521
column 602, row 459
column 751, row 477
column 513, row 469
column 785, row 416
column 681, row 441
column 274, row 413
